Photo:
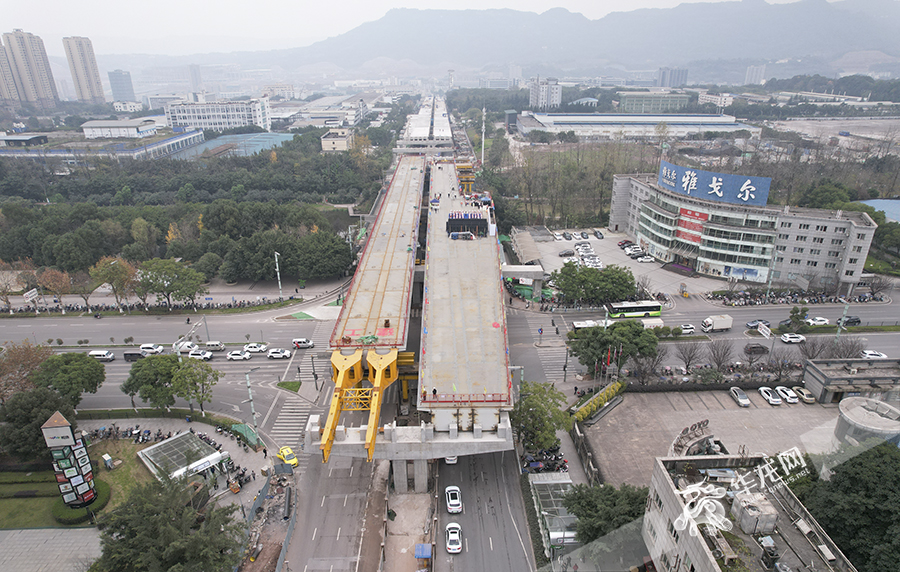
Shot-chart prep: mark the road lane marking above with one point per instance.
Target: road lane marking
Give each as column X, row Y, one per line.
column 323, row 502
column 339, row 534
column 345, row 499
column 315, row 530
column 491, row 540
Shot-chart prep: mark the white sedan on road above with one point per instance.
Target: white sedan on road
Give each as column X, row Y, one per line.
column 454, row 538
column 238, row 355
column 872, row 354
column 256, row 348
column 278, row 353
column 817, row 321
column 792, row 338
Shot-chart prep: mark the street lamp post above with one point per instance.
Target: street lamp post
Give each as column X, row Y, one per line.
column 278, row 272
column 252, row 410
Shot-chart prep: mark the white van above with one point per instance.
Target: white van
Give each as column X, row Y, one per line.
column 102, row 355
column 214, row 346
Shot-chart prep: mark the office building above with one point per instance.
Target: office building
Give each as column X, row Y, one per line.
column 671, row 77
column 219, row 115
column 720, row 225
column 651, row 102
column 833, row 380
column 736, row 510
column 544, row 93
column 606, row 126
column 127, row 106
column 719, row 100
column 755, row 75
column 83, row 65
column 196, row 78
column 26, row 70
column 339, row 139
column 122, row 88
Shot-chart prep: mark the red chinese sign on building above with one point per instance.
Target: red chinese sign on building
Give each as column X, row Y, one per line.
column 690, row 225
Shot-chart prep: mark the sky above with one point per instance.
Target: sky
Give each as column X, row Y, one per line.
column 181, row 27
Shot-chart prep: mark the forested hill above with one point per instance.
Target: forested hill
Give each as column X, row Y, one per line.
column 856, row 85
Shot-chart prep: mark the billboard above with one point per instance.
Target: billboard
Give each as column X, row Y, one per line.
column 690, row 225
column 719, row 187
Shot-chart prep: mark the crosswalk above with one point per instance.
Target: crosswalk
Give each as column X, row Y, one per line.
column 294, row 410
column 551, row 350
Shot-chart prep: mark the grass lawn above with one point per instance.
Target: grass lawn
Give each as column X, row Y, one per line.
column 124, row 477
column 27, row 513
column 290, row 385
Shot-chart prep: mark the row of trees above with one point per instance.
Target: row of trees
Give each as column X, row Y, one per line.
column 592, row 286
column 232, row 239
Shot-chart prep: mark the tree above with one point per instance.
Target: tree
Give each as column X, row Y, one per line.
column 604, row 508
column 878, row 283
column 194, row 380
column 539, row 413
column 798, row 314
column 151, row 379
column 647, row 367
column 689, row 353
column 22, row 416
column 814, row 346
column 618, row 342
column 209, row 265
column 845, row 347
column 116, row 272
column 71, row 375
column 171, row 279
column 58, row 283
column 858, row 507
column 17, row 363
column 83, row 285
column 780, row 362
column 719, row 352
column 158, row 527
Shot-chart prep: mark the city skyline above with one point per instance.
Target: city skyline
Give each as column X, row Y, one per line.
column 297, row 25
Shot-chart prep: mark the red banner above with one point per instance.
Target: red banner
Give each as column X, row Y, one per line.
column 690, row 224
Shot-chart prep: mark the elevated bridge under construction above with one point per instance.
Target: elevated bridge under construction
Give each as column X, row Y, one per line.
column 425, row 309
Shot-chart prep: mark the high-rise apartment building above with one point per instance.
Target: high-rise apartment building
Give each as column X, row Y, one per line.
column 83, row 65
column 544, row 93
column 755, row 75
column 122, row 88
column 27, row 70
column 671, row 77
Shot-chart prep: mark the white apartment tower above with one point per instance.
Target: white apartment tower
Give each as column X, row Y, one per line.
column 83, row 65
column 544, row 93
column 25, row 70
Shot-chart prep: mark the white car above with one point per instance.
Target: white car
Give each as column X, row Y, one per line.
column 451, row 460
column 786, row 394
column 301, row 343
column 453, row 533
column 454, row 499
column 645, row 259
column 256, row 348
column 792, row 338
column 817, row 321
column 687, row 329
column 152, row 348
column 557, row 236
column 200, row 354
column 769, row 395
column 184, row 347
column 278, row 353
column 872, row 354
column 238, row 355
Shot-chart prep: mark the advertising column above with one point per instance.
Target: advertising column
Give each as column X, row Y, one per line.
column 71, row 463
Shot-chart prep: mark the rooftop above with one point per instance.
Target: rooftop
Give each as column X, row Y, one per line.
column 758, row 507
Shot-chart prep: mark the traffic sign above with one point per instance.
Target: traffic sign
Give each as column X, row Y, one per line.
column 31, row 295
column 541, row 331
column 765, row 331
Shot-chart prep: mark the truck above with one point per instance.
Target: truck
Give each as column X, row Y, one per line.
column 720, row 323
column 591, row 324
column 652, row 323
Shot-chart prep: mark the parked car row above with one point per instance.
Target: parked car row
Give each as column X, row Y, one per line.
column 566, row 235
column 204, row 352
column 777, row 396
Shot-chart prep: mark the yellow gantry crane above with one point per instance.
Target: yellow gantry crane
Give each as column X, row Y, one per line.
column 350, row 394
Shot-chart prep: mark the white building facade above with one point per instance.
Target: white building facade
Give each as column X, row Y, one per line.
column 127, row 128
column 220, row 115
column 544, row 93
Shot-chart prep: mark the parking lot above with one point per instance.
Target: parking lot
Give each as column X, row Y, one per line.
column 644, row 426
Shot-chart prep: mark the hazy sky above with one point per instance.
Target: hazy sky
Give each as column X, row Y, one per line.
column 177, row 27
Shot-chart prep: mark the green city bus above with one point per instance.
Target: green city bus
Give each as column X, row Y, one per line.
column 640, row 309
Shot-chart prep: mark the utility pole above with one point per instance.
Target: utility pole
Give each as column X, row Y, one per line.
column 278, row 272
column 252, row 411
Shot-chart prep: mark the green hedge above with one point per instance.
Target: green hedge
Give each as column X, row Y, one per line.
column 599, row 400
column 69, row 516
column 537, row 541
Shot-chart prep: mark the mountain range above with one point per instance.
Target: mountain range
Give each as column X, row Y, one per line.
column 849, row 36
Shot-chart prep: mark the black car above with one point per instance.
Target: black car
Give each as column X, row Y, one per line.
column 786, row 323
column 568, row 252
column 751, row 349
column 585, row 235
column 567, row 235
column 849, row 321
column 598, row 234
column 637, row 254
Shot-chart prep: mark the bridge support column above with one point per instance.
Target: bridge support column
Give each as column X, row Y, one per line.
column 401, row 476
column 420, row 473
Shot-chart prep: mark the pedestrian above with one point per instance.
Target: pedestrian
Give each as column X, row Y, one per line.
column 434, row 391
column 253, row 474
column 576, row 390
column 265, row 453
